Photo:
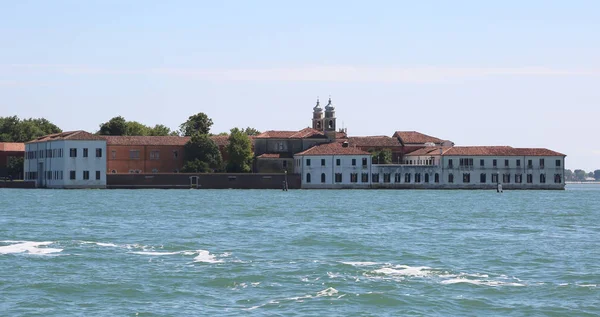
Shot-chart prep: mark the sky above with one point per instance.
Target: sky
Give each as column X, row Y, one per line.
column 518, row 73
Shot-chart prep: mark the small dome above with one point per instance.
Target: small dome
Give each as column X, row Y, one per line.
column 318, row 108
column 329, row 106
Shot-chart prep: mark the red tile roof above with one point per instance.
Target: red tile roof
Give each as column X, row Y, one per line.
column 145, row 140
column 334, row 148
column 499, row 151
column 413, row 137
column 374, row 141
column 276, row 134
column 12, row 147
column 70, row 135
column 427, row 151
column 305, row 133
column 220, row 140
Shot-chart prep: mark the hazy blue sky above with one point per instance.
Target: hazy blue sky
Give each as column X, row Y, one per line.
column 519, row 73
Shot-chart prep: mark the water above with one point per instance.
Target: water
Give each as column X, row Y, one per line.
column 268, row 252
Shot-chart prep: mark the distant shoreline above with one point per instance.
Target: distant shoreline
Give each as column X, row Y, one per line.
column 596, row 182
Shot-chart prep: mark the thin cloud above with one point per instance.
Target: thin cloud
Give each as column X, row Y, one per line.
column 315, row 73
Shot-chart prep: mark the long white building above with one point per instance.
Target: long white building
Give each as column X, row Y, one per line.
column 66, row 160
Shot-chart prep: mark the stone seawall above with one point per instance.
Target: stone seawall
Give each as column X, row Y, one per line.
column 202, row 181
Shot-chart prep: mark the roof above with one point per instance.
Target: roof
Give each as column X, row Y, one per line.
column 334, row 148
column 427, row 151
column 274, row 156
column 498, row 151
column 302, row 134
column 412, row 137
column 70, row 135
column 145, row 140
column 374, row 141
column 220, row 140
column 12, row 147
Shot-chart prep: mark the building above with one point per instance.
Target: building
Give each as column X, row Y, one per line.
column 333, row 165
column 9, row 152
column 75, row 159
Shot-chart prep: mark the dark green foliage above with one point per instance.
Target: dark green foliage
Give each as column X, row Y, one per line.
column 196, row 166
column 115, row 126
column 200, row 147
column 15, row 167
column 120, row 126
column 198, row 123
column 597, row 175
column 13, row 129
column 160, row 129
column 240, row 152
column 579, row 175
column 250, row 131
column 382, row 157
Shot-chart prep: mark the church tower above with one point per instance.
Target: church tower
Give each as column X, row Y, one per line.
column 317, row 121
column 329, row 121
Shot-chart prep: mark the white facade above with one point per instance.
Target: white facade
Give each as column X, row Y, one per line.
column 334, row 171
column 66, row 163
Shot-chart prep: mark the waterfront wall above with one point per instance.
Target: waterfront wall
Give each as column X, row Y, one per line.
column 17, row 184
column 203, row 181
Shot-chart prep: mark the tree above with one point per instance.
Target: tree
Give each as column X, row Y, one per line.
column 251, row 131
column 597, row 175
column 200, row 147
column 114, row 126
column 240, row 152
column 159, row 129
column 15, row 167
column 196, row 166
column 382, row 157
column 579, row 175
column 568, row 175
column 13, row 129
column 198, row 123
column 590, row 174
column 136, row 128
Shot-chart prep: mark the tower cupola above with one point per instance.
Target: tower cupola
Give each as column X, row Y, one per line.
column 317, row 121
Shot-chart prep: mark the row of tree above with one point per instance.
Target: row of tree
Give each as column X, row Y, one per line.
column 581, row 175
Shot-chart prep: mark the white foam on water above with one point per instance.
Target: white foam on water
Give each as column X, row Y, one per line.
column 31, row 247
column 405, row 270
column 330, row 291
column 205, row 257
column 480, row 282
column 587, row 285
column 360, row 263
column 156, row 253
column 106, row 244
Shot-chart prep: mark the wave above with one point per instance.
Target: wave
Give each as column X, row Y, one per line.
column 206, row 257
column 30, row 247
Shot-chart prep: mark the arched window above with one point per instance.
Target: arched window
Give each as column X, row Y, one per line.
column 436, row 178
column 542, row 178
column 330, row 125
column 426, row 178
column 308, row 177
column 450, row 178
column 318, row 124
column 322, row 177
column 557, row 178
column 114, row 171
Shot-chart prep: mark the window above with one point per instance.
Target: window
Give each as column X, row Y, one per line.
column 284, row 163
column 97, row 175
column 518, row 162
column 466, row 162
column 338, row 162
column 494, row 178
column 529, row 178
column 134, row 154
column 505, row 163
column 449, row 163
column 354, row 177
column 322, row 162
column 482, row 177
column 113, row 154
column 426, row 178
column 353, row 162
column 397, row 177
column 338, row 177
column 557, row 163
column 542, row 165
column 506, row 178
column 450, row 178
column 529, row 163
column 417, row 177
column 154, row 155
column 482, row 162
column 98, row 152
column 364, row 162
column 72, row 152
column 557, row 179
column 543, row 178
column 518, row 178
column 364, row 177
column 72, row 174
column 86, row 175
column 386, row 177
column 375, row 178
column 466, row 177
column 407, row 178
column 49, row 175
column 495, row 163
column 308, row 177
column 307, row 162
column 322, row 177
column 175, row 154
column 436, row 178
column 85, row 152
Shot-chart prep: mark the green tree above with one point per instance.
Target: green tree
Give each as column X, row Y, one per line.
column 13, row 129
column 114, row 126
column 568, row 175
column 198, row 123
column 579, row 175
column 15, row 167
column 382, row 157
column 251, row 131
column 196, row 166
column 590, row 174
column 240, row 153
column 136, row 128
column 160, row 129
column 200, row 147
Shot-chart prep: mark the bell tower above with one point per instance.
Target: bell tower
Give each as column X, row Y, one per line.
column 317, row 121
column 329, row 120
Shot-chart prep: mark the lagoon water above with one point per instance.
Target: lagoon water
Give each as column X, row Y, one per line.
column 302, row 252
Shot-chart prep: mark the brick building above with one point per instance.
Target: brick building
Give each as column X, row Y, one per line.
column 10, row 151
